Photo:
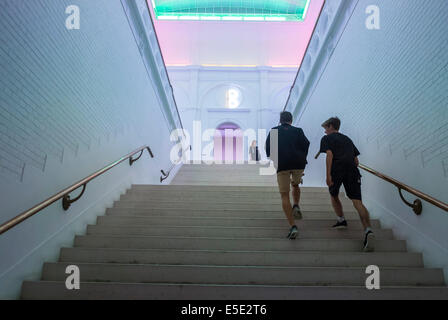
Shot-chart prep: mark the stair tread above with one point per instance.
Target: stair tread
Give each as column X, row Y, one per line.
column 119, row 290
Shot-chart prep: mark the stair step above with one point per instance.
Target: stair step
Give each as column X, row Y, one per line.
column 305, row 193
column 241, row 258
column 236, row 182
column 220, row 206
column 206, row 199
column 239, row 189
column 215, row 243
column 116, row 220
column 233, row 232
column 48, row 290
column 247, row 275
column 246, row 213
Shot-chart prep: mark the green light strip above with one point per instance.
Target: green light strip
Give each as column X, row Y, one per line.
column 168, row 13
column 240, row 17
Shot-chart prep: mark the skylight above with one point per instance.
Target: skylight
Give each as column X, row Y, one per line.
column 231, row 10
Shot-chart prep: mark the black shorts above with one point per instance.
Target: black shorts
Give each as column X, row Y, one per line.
column 351, row 178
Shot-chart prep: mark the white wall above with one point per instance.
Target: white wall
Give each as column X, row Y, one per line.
column 200, row 95
column 389, row 87
column 71, row 102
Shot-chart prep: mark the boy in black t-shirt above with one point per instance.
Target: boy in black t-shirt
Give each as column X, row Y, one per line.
column 342, row 168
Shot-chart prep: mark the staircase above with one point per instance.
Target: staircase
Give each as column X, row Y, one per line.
column 218, row 232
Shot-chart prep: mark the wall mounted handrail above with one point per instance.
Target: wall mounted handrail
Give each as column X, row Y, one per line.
column 417, row 205
column 64, row 194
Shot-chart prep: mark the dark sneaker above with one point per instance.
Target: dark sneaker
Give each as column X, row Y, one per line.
column 293, row 233
column 340, row 225
column 369, row 242
column 296, row 212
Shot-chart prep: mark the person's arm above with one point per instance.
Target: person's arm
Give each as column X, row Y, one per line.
column 329, row 162
column 267, row 146
column 305, row 143
column 325, row 148
column 356, row 151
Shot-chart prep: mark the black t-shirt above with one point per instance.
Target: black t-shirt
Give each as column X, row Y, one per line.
column 293, row 148
column 343, row 149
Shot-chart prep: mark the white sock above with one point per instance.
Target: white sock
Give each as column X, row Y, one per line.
column 367, row 230
column 341, row 219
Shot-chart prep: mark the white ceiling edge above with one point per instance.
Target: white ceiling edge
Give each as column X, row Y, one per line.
column 233, row 68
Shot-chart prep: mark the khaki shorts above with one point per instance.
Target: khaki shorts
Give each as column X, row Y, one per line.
column 285, row 178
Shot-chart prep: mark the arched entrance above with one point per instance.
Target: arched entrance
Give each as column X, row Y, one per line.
column 228, row 143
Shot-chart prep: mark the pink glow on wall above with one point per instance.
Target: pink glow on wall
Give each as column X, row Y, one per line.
column 236, row 42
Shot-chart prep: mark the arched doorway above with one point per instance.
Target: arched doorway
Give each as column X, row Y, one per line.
column 228, row 143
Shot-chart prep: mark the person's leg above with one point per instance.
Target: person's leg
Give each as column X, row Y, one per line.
column 363, row 213
column 369, row 237
column 295, row 181
column 296, row 194
column 352, row 185
column 287, row 208
column 283, row 179
column 353, row 189
column 337, row 206
column 334, row 193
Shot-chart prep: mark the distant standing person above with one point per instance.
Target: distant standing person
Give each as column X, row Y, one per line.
column 342, row 168
column 253, row 151
column 292, row 146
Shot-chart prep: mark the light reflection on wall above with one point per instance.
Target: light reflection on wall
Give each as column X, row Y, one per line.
column 233, row 43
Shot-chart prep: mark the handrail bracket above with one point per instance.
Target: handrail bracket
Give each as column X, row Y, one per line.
column 131, row 161
column 165, row 176
column 417, row 206
column 66, row 202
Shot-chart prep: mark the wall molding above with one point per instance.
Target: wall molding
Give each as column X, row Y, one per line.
column 146, row 39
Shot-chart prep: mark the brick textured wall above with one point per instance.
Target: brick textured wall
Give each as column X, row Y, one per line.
column 71, row 102
column 62, row 91
column 390, row 89
column 390, row 86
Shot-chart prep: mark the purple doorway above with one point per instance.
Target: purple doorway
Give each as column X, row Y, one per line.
column 228, row 143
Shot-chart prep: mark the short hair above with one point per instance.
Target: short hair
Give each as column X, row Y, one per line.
column 332, row 122
column 285, row 117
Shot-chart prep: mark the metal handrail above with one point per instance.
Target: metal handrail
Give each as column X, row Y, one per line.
column 417, row 204
column 64, row 194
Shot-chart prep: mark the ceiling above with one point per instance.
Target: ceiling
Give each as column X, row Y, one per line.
column 235, row 43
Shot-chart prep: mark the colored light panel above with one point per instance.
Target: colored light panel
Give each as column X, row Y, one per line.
column 232, row 10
